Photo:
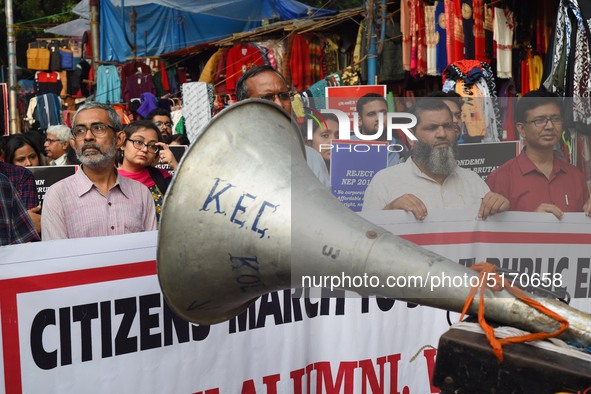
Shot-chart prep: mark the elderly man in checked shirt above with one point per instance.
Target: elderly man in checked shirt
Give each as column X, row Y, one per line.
column 96, row 201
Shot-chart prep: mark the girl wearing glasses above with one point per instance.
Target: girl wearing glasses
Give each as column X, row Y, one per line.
column 143, row 147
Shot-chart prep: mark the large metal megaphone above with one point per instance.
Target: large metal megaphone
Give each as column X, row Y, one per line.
column 245, row 216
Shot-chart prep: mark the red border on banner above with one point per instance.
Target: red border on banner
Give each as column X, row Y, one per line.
column 469, row 237
column 9, row 288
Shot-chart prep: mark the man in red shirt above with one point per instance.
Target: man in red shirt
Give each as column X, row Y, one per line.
column 538, row 180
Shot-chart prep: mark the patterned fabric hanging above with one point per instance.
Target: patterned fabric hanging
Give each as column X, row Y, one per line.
column 504, row 26
column 477, row 81
column 566, row 73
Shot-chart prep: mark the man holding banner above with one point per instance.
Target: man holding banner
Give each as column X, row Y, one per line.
column 537, row 180
column 431, row 178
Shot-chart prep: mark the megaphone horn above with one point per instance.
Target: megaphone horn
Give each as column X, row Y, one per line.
column 245, row 216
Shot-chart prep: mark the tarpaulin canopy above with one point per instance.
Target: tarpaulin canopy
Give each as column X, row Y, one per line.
column 75, row 28
column 165, row 26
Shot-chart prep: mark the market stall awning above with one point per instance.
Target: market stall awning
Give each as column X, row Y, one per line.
column 292, row 26
column 75, row 28
column 168, row 26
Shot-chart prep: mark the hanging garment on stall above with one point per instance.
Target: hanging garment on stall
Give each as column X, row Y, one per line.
column 503, row 29
column 30, row 117
column 479, row 41
column 488, row 31
column 285, row 70
column 48, row 110
column 83, row 68
column 108, row 85
column 535, row 70
column 441, row 45
column 47, row 82
column 421, row 39
column 272, row 58
column 66, row 56
column 566, row 73
column 160, row 79
column 138, row 84
column 545, row 27
column 414, row 48
column 157, row 79
column 405, row 31
column 316, row 71
column 524, row 77
column 390, row 59
column 477, row 82
column 133, row 68
column 172, row 80
column 182, row 76
column 468, row 28
column 241, row 58
column 55, row 61
column 148, row 104
column 299, row 63
column 86, row 45
column 163, row 69
column 431, row 35
column 219, row 80
column 208, row 73
column 454, row 30
column 473, row 117
column 317, row 92
column 276, row 52
column 331, row 56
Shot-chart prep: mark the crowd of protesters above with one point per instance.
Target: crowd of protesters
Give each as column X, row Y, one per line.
column 118, row 189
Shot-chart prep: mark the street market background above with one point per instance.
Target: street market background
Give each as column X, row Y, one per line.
column 33, row 17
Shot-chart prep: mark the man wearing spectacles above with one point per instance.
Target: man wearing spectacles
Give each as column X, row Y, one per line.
column 266, row 83
column 431, row 178
column 161, row 118
column 56, row 144
column 96, row 201
column 538, row 180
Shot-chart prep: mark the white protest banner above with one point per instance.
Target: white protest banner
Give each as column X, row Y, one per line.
column 196, row 108
column 87, row 315
column 529, row 243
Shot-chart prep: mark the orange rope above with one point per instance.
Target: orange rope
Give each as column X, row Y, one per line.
column 486, row 270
